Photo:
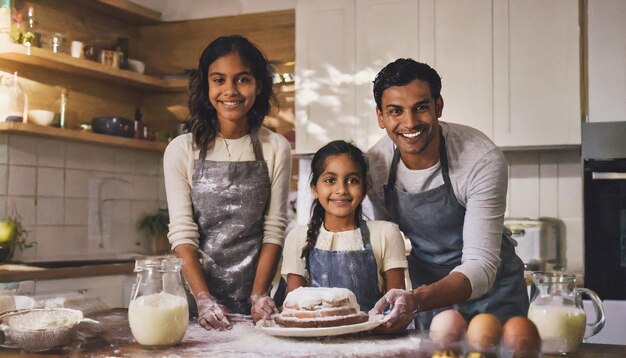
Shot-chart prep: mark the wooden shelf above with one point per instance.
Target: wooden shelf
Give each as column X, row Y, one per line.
column 80, row 136
column 62, row 62
column 124, row 10
column 110, row 269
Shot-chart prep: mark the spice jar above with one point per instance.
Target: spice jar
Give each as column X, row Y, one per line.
column 158, row 313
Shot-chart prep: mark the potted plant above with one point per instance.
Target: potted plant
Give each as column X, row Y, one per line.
column 155, row 225
column 12, row 236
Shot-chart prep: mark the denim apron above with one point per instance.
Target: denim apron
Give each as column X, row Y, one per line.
column 229, row 201
column 433, row 222
column 355, row 270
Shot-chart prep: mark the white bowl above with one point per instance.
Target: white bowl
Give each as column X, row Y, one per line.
column 41, row 117
column 136, row 65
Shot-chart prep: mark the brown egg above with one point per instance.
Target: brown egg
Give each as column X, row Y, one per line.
column 520, row 335
column 484, row 331
column 447, row 328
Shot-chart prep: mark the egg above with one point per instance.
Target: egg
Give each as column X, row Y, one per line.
column 484, row 331
column 520, row 335
column 447, row 327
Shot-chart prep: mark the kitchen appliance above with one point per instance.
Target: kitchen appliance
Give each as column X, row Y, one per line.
column 604, row 164
column 538, row 242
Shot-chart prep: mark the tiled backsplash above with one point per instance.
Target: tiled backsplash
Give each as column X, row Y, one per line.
column 79, row 200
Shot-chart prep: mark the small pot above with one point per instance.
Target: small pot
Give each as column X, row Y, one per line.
column 113, row 125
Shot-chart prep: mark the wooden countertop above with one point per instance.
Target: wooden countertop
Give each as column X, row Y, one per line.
column 112, row 337
column 15, row 274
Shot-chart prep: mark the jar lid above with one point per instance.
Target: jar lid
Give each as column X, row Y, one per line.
column 160, row 263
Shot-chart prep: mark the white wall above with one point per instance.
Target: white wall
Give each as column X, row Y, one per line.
column 200, row 9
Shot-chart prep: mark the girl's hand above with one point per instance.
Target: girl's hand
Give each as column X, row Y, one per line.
column 402, row 305
column 263, row 307
column 211, row 315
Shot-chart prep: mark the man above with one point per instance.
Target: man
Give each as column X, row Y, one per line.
column 445, row 185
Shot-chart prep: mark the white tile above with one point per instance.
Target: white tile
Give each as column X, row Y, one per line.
column 103, row 158
column 76, row 211
column 22, row 150
column 50, row 211
column 77, row 243
column 116, row 187
column 523, row 185
column 148, row 163
column 51, row 153
column 77, row 183
column 52, row 242
column 79, row 156
column 4, row 179
column 22, row 180
column 3, row 207
column 50, row 182
column 570, row 190
column 162, row 196
column 548, row 186
column 122, row 160
column 4, row 148
column 145, row 187
column 24, row 207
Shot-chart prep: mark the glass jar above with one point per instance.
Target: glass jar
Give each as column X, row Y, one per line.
column 557, row 311
column 13, row 99
column 158, row 313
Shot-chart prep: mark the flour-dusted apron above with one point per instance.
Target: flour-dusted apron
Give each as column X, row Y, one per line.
column 355, row 270
column 229, row 201
column 433, row 221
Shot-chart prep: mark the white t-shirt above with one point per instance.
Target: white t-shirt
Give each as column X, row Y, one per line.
column 386, row 239
column 178, row 163
column 479, row 175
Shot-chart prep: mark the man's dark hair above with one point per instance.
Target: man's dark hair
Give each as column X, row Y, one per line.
column 403, row 71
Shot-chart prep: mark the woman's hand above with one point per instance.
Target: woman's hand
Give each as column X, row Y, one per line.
column 402, row 304
column 263, row 307
column 211, row 315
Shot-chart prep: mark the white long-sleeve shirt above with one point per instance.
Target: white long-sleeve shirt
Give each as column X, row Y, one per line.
column 479, row 176
column 178, row 163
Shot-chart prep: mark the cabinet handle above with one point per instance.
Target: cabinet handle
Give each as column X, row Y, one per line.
column 608, row 176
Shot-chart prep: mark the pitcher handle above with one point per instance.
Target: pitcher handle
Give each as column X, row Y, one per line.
column 597, row 306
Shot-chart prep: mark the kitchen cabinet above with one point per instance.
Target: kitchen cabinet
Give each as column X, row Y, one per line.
column 325, row 90
column 509, row 68
column 607, row 56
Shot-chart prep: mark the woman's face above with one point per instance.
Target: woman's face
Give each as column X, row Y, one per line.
column 232, row 89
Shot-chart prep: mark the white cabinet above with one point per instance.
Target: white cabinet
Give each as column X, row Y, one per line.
column 325, row 43
column 607, row 60
column 537, row 85
column 509, row 68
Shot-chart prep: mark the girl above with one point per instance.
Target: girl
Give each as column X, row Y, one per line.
column 227, row 184
column 338, row 248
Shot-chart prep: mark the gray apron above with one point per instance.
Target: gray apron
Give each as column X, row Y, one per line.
column 433, row 221
column 355, row 270
column 229, row 201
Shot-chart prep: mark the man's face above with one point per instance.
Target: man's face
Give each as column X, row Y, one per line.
column 410, row 116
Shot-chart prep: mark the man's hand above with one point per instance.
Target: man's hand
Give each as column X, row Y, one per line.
column 402, row 305
column 262, row 307
column 211, row 315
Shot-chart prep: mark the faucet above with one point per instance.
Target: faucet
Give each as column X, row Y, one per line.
column 101, row 204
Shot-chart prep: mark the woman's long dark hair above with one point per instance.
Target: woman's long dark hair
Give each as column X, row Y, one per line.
column 203, row 123
column 318, row 164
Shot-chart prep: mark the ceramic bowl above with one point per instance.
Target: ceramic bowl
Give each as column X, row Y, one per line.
column 136, row 65
column 41, row 117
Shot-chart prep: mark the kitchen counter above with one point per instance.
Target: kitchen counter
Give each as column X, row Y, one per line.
column 112, row 337
column 62, row 270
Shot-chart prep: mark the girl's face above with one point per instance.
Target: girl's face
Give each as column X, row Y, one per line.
column 340, row 191
column 232, row 89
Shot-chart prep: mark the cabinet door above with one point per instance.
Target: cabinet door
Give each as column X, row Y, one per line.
column 385, row 31
column 455, row 39
column 325, row 97
column 536, row 72
column 607, row 59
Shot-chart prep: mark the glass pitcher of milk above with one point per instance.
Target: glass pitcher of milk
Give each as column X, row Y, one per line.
column 557, row 311
column 158, row 313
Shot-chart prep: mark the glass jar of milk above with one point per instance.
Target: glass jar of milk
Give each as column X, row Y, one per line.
column 158, row 312
column 557, row 311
